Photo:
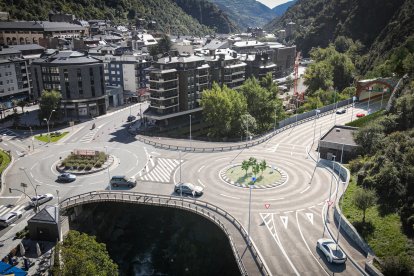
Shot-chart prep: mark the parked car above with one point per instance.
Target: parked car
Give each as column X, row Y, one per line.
column 341, row 111
column 332, row 252
column 188, row 188
column 119, row 181
column 360, row 115
column 9, row 218
column 131, row 118
column 40, row 199
column 66, row 177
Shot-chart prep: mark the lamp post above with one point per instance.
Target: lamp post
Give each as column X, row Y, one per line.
column 274, row 128
column 190, row 129
column 47, row 121
column 330, row 189
column 250, row 204
column 369, row 97
column 109, row 175
column 317, row 111
column 33, row 186
column 181, row 187
column 382, row 97
column 353, row 104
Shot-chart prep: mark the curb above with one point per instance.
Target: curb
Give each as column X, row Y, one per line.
column 3, row 175
column 88, row 172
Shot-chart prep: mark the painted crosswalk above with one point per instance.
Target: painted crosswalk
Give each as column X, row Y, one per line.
column 89, row 136
column 159, row 170
column 7, row 134
column 4, row 209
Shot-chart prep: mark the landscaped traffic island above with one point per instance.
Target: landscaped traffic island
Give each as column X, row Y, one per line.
column 85, row 161
column 251, row 172
column 52, row 137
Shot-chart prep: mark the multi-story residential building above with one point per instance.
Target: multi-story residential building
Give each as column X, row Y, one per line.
column 128, row 71
column 78, row 77
column 176, row 86
column 284, row 58
column 226, row 68
column 14, row 77
column 259, row 65
column 34, row 32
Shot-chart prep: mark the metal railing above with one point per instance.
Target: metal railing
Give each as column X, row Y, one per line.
column 283, row 125
column 205, row 209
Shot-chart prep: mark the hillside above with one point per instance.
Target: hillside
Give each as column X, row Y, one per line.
column 246, row 13
column 282, row 8
column 169, row 16
column 378, row 25
column 208, row 14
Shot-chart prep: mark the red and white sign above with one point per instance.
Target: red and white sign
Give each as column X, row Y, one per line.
column 267, row 206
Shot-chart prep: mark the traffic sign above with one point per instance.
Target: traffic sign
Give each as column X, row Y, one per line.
column 330, row 202
column 267, row 205
column 254, row 178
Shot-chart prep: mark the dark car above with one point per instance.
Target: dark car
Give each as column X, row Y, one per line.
column 66, row 177
column 131, row 118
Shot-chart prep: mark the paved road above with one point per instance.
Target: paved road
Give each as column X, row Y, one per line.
column 285, row 233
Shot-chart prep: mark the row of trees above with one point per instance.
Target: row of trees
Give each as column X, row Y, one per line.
column 253, row 108
column 256, row 166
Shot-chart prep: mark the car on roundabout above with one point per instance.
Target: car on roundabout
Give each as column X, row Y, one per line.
column 332, row 251
column 9, row 218
column 123, row 181
column 66, row 177
column 189, row 189
column 360, row 115
column 341, row 111
column 40, row 199
column 131, row 118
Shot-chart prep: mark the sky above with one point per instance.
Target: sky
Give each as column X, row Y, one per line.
column 273, row 3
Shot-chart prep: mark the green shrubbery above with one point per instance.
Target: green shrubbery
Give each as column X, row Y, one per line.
column 84, row 162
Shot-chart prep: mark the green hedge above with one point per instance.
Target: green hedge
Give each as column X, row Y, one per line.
column 360, row 122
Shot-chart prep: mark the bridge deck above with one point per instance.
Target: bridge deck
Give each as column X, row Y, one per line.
column 247, row 257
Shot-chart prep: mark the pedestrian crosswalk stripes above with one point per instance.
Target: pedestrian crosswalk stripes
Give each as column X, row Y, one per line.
column 89, row 136
column 159, row 170
column 7, row 133
column 4, row 209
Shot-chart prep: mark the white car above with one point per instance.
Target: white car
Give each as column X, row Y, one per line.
column 333, row 253
column 9, row 218
column 341, row 111
column 188, row 188
column 40, row 199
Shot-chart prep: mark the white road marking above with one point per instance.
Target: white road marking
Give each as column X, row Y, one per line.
column 273, row 199
column 201, row 183
column 307, row 188
column 202, row 167
column 10, row 196
column 310, row 217
column 155, row 153
column 307, row 246
column 287, row 212
column 285, row 220
column 300, row 210
column 230, row 196
column 313, row 206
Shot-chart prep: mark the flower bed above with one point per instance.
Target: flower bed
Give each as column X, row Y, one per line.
column 84, row 162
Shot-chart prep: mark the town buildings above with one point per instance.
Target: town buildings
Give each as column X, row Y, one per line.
column 78, row 77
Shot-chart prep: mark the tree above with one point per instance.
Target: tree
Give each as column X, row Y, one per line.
column 363, row 199
column 369, row 137
column 222, row 110
column 252, row 161
column 22, row 104
column 260, row 103
column 245, row 166
column 248, row 124
column 318, row 75
column 83, row 255
column 256, row 169
column 164, row 44
column 268, row 84
column 49, row 100
column 263, row 166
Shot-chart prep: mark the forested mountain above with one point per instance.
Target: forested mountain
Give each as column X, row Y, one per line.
column 246, row 13
column 378, row 25
column 282, row 8
column 169, row 16
column 208, row 14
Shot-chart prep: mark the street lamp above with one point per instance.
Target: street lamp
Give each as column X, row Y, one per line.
column 109, row 175
column 190, row 129
column 34, row 187
column 317, row 111
column 274, row 128
column 250, row 204
column 353, row 104
column 47, row 121
column 330, row 189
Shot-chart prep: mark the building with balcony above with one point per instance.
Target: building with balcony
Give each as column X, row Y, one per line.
column 78, row 77
column 176, row 86
column 14, row 77
column 259, row 65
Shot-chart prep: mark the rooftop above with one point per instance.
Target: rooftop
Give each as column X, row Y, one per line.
column 340, row 135
column 40, row 26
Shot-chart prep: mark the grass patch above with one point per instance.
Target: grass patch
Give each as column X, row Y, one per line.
column 361, row 122
column 382, row 233
column 238, row 175
column 4, row 161
column 54, row 137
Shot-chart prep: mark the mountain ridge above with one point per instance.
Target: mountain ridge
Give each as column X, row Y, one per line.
column 279, row 10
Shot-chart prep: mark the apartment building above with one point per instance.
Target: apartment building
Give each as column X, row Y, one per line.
column 78, row 77
column 176, row 86
column 34, row 32
column 14, row 77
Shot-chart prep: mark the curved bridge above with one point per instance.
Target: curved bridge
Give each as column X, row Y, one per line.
column 248, row 259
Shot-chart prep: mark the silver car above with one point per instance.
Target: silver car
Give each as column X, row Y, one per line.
column 9, row 218
column 66, row 177
column 188, row 188
column 332, row 251
column 40, row 199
